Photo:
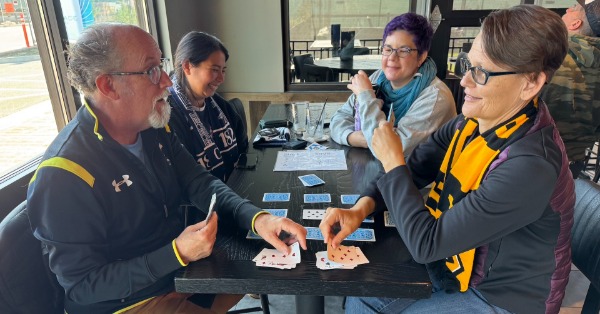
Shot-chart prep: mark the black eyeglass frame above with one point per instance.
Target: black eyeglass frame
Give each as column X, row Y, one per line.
column 465, row 65
column 161, row 66
column 401, row 50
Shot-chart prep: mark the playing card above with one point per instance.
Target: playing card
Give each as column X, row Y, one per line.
column 316, row 146
column 317, row 198
column 346, row 255
column 325, row 264
column 392, row 117
column 274, row 258
column 313, row 214
column 211, row 207
column 387, row 219
column 277, row 212
column 361, row 234
column 252, row 236
column 318, row 214
column 276, row 197
column 311, row 180
column 349, row 198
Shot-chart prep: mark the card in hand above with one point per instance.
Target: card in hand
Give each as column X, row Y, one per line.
column 317, row 198
column 311, row 180
column 350, row 198
column 387, row 219
column 276, row 197
column 211, row 207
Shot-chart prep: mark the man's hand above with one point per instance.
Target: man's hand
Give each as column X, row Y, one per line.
column 387, row 146
column 269, row 227
column 357, row 139
column 346, row 220
column 197, row 241
column 360, row 82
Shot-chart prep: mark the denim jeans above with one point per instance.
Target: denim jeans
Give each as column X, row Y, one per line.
column 470, row 301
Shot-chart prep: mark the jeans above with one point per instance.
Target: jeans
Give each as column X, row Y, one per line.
column 470, row 301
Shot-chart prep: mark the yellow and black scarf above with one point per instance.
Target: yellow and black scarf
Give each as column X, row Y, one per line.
column 467, row 160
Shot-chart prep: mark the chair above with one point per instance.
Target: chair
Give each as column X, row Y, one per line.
column 264, row 307
column 585, row 242
column 591, row 162
column 299, row 62
column 26, row 283
column 315, row 73
column 361, row 51
column 238, row 106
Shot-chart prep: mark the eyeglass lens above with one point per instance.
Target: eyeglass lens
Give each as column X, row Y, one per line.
column 401, row 52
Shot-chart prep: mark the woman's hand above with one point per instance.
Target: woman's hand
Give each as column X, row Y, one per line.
column 344, row 219
column 357, row 139
column 360, row 82
column 387, row 146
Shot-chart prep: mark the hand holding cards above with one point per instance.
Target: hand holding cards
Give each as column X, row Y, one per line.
column 275, row 259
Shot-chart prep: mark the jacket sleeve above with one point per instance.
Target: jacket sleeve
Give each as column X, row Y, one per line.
column 434, row 107
column 79, row 249
column 199, row 185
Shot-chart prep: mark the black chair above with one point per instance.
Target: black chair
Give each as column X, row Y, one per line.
column 26, row 283
column 315, row 73
column 299, row 62
column 591, row 162
column 585, row 242
column 238, row 106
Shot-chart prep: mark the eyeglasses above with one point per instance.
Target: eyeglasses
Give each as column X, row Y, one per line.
column 401, row 52
column 479, row 74
column 154, row 73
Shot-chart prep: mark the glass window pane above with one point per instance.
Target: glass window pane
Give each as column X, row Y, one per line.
column 311, row 24
column 27, row 124
column 556, row 4
column 483, row 4
column 460, row 39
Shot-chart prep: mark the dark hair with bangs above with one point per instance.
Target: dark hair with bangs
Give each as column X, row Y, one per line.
column 526, row 39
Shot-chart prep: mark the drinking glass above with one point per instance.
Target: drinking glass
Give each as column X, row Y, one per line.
column 299, row 116
column 315, row 120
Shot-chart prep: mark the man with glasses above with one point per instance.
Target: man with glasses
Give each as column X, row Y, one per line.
column 573, row 94
column 105, row 199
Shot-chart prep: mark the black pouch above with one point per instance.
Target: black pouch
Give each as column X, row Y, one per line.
column 263, row 124
column 297, row 144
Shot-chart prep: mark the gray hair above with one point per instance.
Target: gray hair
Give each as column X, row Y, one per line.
column 94, row 53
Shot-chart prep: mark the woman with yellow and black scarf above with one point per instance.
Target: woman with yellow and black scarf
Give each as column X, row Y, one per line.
column 494, row 231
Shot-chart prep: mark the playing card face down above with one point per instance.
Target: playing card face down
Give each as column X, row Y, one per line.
column 349, row 198
column 311, row 180
column 276, row 197
column 360, row 234
column 317, row 198
column 387, row 219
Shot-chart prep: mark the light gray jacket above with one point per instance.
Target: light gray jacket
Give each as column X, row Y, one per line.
column 434, row 107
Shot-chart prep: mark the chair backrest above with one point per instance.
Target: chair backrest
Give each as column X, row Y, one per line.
column 299, row 62
column 361, row 51
column 26, row 283
column 315, row 73
column 585, row 243
column 238, row 106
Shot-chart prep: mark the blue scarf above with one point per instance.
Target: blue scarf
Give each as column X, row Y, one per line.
column 402, row 98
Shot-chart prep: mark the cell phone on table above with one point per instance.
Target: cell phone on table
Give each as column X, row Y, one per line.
column 247, row 161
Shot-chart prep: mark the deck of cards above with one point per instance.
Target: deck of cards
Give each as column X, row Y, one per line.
column 343, row 257
column 275, row 259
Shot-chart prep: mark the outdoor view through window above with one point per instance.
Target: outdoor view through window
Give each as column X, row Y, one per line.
column 27, row 123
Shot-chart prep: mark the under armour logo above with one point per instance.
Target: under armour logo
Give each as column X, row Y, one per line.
column 118, row 184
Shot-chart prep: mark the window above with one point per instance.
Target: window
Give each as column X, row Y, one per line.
column 33, row 103
column 356, row 27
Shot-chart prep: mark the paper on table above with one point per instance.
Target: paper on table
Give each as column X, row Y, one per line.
column 330, row 159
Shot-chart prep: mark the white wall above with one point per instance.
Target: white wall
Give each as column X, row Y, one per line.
column 250, row 29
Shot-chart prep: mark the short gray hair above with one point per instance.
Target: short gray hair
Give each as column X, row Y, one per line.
column 94, row 53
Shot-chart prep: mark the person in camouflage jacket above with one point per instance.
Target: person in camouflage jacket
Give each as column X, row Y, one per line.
column 573, row 94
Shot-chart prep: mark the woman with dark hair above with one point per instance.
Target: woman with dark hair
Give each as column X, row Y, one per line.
column 406, row 86
column 207, row 125
column 495, row 229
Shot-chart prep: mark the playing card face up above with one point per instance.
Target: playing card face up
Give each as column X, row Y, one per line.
column 360, row 234
column 324, row 263
column 318, row 214
column 316, row 146
column 276, row 197
column 387, row 219
column 317, row 198
column 347, row 255
column 311, row 180
column 275, row 259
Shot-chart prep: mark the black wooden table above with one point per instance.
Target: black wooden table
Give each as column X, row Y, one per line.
column 390, row 273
